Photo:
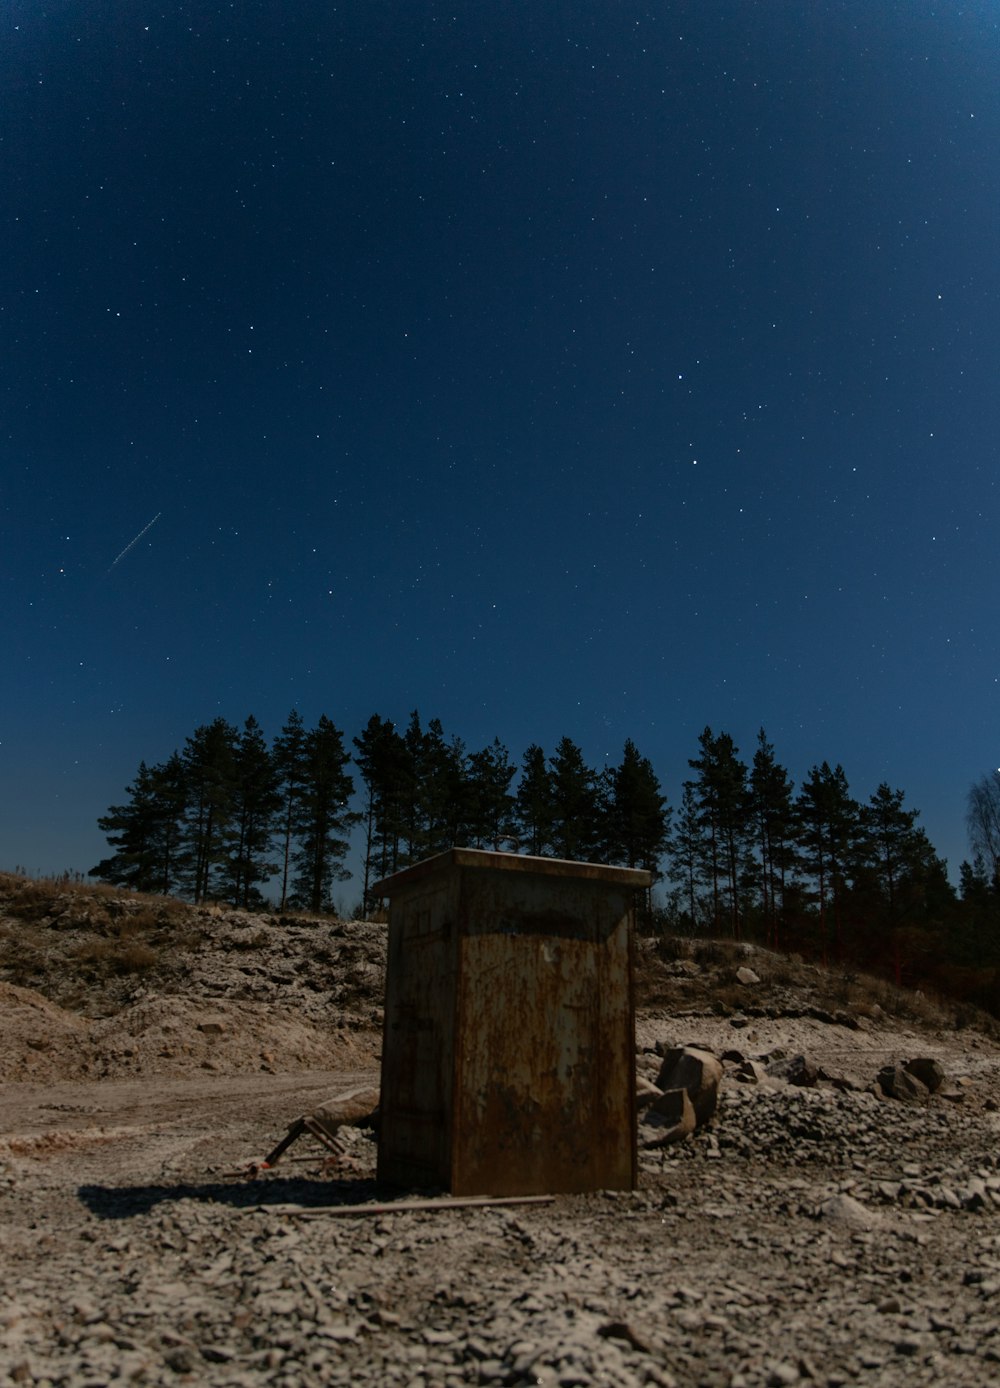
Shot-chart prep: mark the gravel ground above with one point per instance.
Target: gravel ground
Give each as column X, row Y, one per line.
column 808, row 1235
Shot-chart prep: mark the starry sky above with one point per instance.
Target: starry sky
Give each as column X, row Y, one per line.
column 595, row 369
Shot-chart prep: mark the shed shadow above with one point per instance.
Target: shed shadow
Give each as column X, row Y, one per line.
column 123, row 1202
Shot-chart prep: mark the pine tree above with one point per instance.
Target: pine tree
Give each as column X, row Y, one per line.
column 688, row 854
column 208, row 761
column 637, row 813
column 902, row 886
column 721, row 794
column 576, row 829
column 288, row 755
column 827, row 830
column 491, row 804
column 323, row 819
column 412, row 807
column 443, row 791
column 145, row 831
column 533, row 803
column 772, row 816
column 893, row 844
column 256, row 800
column 383, row 761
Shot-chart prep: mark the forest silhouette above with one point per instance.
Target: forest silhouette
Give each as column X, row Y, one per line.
column 744, row 853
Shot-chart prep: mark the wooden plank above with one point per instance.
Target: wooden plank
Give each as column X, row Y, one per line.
column 444, row 1202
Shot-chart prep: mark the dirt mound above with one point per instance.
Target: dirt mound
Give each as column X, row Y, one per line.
column 38, row 1039
column 172, row 1035
column 113, row 985
column 177, row 1035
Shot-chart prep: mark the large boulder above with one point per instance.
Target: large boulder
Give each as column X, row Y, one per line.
column 670, row 1117
column 696, row 1071
column 896, row 1082
column 928, row 1071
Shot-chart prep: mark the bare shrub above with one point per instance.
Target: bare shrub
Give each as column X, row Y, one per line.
column 672, row 948
column 32, row 901
column 102, row 957
column 713, row 953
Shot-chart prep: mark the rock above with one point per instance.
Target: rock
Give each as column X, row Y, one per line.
column 645, row 1092
column 747, row 976
column 797, row 1069
column 973, row 1197
column 669, row 1118
column 845, row 1210
column 896, row 1082
column 928, row 1071
column 751, row 1072
column 356, row 1107
column 697, row 1071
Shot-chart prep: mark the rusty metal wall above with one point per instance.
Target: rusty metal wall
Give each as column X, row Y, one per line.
column 545, row 1079
column 508, row 1055
column 418, row 1042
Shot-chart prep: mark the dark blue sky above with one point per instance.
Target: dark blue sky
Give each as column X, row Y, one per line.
column 599, row 369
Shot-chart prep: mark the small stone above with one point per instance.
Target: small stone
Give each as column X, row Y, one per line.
column 908, row 1346
column 844, row 1209
column 181, row 1360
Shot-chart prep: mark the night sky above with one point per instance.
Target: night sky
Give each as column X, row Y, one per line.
column 594, row 369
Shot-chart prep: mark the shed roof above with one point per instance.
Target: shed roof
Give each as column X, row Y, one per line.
column 637, row 878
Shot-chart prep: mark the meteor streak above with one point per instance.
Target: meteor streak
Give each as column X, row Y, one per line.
column 134, row 542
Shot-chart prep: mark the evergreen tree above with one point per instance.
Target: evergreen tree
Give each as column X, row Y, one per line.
column 721, row 793
column 978, row 934
column 208, row 761
column 576, row 828
column 289, row 760
column 145, row 831
column 894, row 846
column 827, row 833
column 443, row 791
column 491, row 804
column 638, row 818
column 383, row 761
column 688, row 854
column 533, row 803
column 323, row 818
column 901, row 891
column 772, row 817
column 412, row 804
column 255, row 801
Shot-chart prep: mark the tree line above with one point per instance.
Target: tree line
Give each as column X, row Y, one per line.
column 745, row 852
column 228, row 815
